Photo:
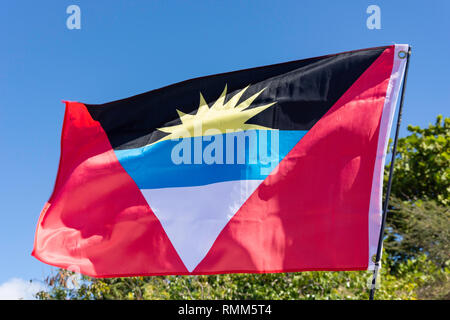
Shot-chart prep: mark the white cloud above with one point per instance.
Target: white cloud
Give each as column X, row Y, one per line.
column 16, row 288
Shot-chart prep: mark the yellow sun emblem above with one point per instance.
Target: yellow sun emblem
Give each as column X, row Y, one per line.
column 221, row 117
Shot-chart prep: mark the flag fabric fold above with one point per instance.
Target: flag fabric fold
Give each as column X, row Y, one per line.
column 270, row 169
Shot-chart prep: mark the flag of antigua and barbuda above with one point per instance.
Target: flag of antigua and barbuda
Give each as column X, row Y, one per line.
column 270, row 169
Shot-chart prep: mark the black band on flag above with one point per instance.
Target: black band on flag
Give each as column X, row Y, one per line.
column 304, row 90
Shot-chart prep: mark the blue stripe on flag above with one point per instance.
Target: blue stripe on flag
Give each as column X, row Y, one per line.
column 245, row 155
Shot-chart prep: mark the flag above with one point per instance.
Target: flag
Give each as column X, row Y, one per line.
column 270, row 169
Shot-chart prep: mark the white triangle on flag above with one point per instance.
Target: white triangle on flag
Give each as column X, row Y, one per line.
column 193, row 217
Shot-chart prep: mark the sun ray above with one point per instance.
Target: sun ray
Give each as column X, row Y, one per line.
column 219, row 102
column 248, row 102
column 234, row 100
column 203, row 106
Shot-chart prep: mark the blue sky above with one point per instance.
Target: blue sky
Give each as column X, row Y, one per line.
column 128, row 47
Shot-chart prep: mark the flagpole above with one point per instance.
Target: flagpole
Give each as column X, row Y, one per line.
column 389, row 184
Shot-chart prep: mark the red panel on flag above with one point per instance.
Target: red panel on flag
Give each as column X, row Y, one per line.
column 95, row 223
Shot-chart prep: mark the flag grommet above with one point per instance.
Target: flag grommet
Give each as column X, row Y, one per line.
column 402, row 54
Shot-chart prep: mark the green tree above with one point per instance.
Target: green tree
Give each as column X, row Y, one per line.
column 405, row 282
column 422, row 167
column 418, row 220
column 419, row 227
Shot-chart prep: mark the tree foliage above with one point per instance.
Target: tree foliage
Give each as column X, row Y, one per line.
column 415, row 228
column 403, row 283
column 422, row 167
column 415, row 264
column 418, row 220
